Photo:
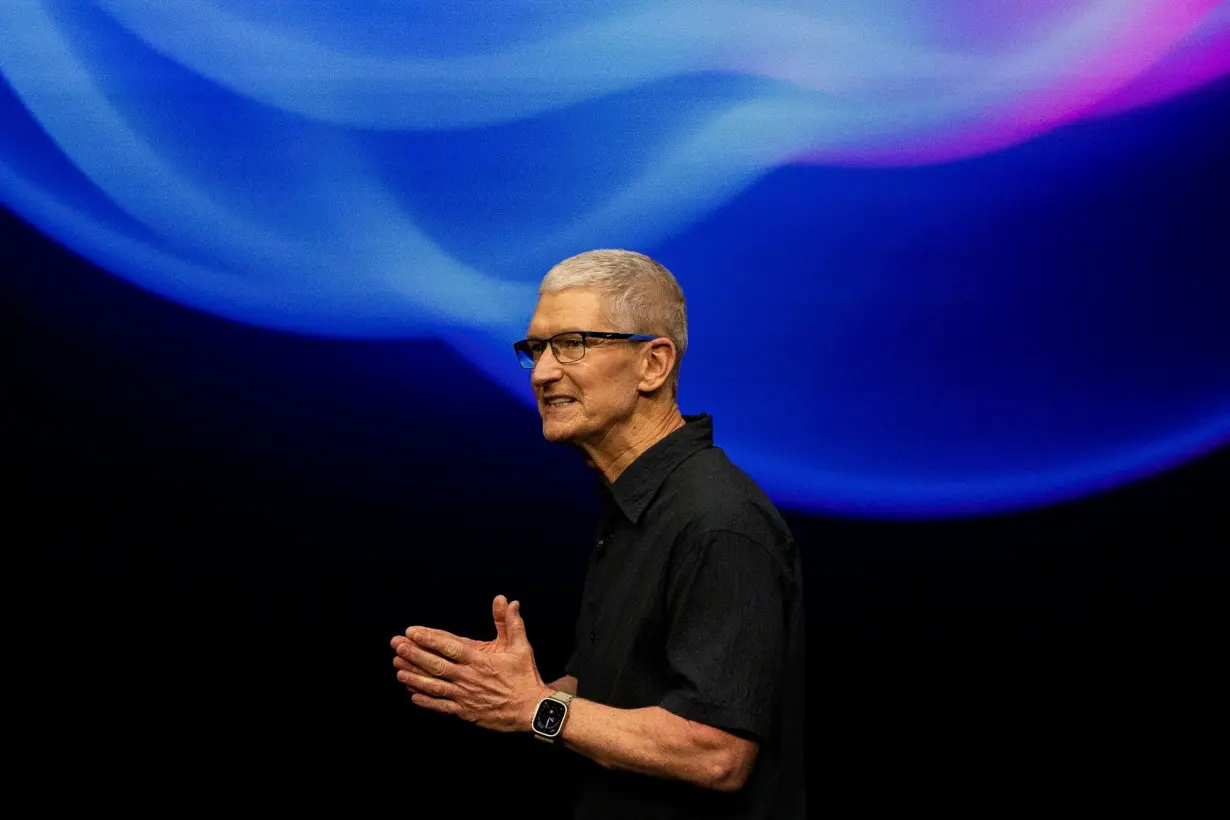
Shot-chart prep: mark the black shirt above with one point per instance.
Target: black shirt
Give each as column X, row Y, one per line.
column 693, row 602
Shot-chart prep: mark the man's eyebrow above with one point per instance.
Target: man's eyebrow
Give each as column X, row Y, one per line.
column 544, row 338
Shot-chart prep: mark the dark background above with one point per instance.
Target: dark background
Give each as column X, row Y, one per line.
column 207, row 576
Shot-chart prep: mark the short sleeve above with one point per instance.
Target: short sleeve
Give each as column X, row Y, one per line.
column 727, row 633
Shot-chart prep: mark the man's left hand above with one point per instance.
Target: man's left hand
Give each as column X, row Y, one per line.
column 497, row 687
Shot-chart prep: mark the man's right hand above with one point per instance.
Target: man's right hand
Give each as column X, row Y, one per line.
column 499, row 607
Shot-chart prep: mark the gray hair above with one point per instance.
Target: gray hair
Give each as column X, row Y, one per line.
column 640, row 294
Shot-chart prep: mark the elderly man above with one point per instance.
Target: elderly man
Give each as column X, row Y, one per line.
column 685, row 686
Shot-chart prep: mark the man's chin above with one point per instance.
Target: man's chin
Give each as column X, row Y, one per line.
column 557, row 433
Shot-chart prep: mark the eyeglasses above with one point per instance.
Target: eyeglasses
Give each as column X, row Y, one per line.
column 568, row 347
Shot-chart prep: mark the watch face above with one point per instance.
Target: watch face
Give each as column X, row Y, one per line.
column 550, row 717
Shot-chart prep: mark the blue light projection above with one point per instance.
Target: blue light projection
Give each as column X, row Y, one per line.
column 911, row 295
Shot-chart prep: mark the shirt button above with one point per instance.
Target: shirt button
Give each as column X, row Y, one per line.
column 593, row 635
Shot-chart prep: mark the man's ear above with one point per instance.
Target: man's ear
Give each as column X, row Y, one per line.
column 657, row 362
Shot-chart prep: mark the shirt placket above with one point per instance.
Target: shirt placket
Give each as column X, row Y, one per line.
column 602, row 547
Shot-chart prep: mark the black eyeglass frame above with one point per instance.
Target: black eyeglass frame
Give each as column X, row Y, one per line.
column 525, row 356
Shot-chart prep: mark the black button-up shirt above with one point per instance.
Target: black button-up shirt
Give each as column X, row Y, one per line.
column 693, row 602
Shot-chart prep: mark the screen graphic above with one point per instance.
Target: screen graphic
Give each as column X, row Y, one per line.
column 932, row 265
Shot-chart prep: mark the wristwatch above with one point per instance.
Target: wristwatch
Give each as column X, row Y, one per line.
column 550, row 715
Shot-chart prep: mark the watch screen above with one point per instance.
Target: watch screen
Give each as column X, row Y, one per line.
column 550, row 716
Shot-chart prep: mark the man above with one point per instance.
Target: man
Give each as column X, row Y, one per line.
column 687, row 670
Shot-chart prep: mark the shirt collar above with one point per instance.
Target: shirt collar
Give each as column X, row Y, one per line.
column 639, row 483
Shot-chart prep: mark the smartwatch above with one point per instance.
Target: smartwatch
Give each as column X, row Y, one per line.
column 550, row 715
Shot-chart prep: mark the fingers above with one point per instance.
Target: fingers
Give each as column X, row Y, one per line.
column 435, row 665
column 424, row 685
column 444, row 644
column 430, row 637
column 499, row 609
column 419, row 680
column 446, row 707
column 403, row 665
column 515, row 624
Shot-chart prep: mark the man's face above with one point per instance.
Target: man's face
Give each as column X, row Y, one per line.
column 582, row 401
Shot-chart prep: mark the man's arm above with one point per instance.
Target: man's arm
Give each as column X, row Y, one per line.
column 654, row 741
column 499, row 690
column 449, row 676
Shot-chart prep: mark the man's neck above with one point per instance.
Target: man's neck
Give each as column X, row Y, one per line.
column 613, row 454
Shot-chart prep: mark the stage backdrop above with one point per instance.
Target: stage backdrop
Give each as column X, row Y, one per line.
column 933, row 265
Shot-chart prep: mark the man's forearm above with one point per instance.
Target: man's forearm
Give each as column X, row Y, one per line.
column 652, row 741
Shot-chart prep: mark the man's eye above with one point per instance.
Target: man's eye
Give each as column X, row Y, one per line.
column 536, row 348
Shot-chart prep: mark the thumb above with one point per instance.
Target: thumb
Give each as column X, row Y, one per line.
column 499, row 614
column 515, row 624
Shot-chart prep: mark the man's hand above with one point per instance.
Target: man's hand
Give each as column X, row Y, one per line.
column 494, row 684
column 499, row 608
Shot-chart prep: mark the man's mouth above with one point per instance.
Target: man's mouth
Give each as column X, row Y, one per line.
column 558, row 401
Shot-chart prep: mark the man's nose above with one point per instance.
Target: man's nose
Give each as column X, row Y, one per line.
column 546, row 369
